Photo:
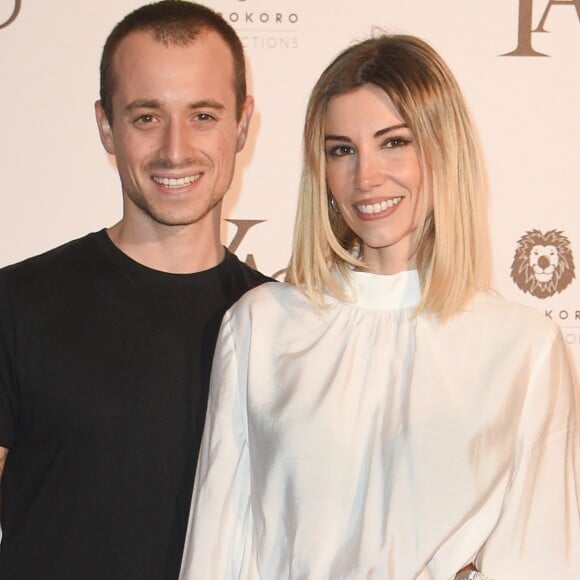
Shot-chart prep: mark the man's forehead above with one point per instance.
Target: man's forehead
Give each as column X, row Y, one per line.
column 144, row 67
column 206, row 39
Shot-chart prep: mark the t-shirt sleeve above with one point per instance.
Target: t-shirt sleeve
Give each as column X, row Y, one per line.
column 219, row 532
column 8, row 387
column 538, row 532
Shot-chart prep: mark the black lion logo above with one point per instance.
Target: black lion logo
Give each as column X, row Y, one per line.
column 543, row 263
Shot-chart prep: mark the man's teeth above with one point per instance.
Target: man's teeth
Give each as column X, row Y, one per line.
column 171, row 182
column 378, row 207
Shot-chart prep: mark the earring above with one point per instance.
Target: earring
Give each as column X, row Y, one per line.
column 333, row 204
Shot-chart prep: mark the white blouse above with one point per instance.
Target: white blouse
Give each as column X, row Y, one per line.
column 363, row 443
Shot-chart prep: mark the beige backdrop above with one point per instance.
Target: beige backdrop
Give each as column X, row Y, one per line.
column 517, row 61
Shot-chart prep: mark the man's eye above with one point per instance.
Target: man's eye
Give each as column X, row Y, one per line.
column 204, row 117
column 144, row 119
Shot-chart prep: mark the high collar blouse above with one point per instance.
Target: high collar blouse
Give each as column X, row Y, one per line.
column 364, row 442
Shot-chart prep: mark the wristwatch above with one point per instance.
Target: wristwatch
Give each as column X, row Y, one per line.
column 473, row 575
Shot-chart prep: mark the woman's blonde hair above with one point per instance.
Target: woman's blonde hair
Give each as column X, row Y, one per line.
column 451, row 246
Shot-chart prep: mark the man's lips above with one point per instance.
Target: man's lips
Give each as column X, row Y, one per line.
column 176, row 181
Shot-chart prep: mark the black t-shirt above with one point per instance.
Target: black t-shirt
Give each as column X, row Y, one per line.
column 104, row 372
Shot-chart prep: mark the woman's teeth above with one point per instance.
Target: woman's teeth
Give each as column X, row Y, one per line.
column 379, row 206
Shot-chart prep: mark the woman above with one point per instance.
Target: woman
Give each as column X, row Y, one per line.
column 383, row 416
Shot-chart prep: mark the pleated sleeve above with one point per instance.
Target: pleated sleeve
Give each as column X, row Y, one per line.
column 537, row 534
column 219, row 529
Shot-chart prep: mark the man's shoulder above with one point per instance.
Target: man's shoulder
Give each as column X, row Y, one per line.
column 60, row 254
column 245, row 276
column 35, row 274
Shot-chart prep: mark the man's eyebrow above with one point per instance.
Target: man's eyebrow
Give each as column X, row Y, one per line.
column 155, row 104
column 142, row 104
column 378, row 133
column 208, row 104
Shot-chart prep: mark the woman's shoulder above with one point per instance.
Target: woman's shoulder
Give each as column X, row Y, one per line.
column 492, row 312
column 490, row 303
column 270, row 298
column 491, row 331
column 271, row 310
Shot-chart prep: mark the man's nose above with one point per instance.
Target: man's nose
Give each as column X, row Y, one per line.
column 176, row 147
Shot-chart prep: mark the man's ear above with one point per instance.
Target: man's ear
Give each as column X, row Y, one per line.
column 105, row 131
column 244, row 122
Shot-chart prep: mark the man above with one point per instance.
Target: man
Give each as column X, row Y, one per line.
column 106, row 342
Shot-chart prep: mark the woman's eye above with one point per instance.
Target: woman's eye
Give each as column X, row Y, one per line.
column 340, row 150
column 393, row 142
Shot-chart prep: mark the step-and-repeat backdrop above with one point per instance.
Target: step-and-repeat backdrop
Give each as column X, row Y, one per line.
column 517, row 61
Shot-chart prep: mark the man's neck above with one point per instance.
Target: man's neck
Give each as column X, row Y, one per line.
column 172, row 249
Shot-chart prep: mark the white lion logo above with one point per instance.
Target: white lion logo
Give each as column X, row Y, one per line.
column 543, row 264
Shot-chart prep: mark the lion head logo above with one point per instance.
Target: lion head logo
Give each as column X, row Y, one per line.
column 543, row 263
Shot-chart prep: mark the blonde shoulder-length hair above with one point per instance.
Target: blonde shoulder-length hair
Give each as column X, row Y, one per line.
column 450, row 244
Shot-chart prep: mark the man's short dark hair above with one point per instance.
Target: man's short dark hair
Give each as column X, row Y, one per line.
column 171, row 22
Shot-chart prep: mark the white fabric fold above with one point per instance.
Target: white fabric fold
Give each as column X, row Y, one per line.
column 362, row 442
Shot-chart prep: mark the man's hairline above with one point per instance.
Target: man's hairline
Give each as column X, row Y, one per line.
column 202, row 30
